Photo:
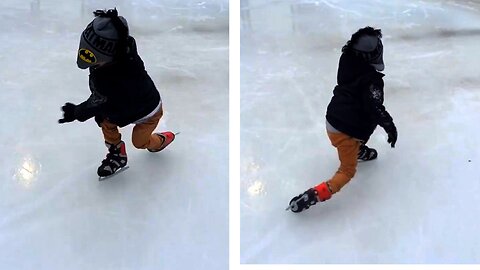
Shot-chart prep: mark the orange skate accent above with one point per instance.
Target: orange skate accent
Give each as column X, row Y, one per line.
column 323, row 192
column 167, row 137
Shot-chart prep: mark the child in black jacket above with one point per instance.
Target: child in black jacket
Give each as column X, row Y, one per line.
column 354, row 112
column 122, row 92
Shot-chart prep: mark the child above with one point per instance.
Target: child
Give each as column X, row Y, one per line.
column 122, row 92
column 353, row 113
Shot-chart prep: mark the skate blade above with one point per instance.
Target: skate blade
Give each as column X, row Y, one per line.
column 117, row 172
column 288, row 208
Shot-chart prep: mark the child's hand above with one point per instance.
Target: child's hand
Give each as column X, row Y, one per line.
column 392, row 136
column 68, row 113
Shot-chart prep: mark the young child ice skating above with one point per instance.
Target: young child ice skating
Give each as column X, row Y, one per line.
column 354, row 112
column 122, row 92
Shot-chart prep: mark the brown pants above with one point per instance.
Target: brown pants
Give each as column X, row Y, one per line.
column 142, row 137
column 347, row 148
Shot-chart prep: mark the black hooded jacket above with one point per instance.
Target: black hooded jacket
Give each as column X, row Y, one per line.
column 122, row 91
column 357, row 107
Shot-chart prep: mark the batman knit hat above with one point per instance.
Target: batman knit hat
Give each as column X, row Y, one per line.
column 370, row 48
column 99, row 42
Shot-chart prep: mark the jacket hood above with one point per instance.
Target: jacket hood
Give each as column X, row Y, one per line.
column 352, row 68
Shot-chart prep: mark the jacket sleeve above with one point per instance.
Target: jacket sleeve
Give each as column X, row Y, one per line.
column 90, row 108
column 374, row 98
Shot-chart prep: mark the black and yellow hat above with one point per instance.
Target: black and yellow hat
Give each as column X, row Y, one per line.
column 101, row 41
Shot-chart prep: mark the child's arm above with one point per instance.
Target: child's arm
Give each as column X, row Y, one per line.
column 90, row 107
column 375, row 101
column 85, row 110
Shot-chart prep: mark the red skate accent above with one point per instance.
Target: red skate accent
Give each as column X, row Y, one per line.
column 167, row 136
column 323, row 192
column 123, row 151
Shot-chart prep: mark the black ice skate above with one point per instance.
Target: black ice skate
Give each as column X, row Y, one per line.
column 303, row 201
column 116, row 160
column 365, row 153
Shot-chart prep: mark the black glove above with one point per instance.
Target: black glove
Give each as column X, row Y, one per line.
column 392, row 134
column 68, row 113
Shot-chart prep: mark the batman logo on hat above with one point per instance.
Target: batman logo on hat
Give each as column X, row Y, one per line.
column 87, row 56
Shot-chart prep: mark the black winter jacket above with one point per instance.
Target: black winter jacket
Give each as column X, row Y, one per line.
column 121, row 91
column 357, row 107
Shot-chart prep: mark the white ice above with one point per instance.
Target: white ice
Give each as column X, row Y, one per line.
column 169, row 210
column 418, row 202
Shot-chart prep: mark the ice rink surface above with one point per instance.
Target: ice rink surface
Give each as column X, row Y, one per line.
column 418, row 202
column 169, row 210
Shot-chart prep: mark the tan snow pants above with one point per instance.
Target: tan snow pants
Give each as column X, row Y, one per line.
column 142, row 137
column 347, row 148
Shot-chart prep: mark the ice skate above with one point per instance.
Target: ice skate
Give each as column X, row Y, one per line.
column 365, row 153
column 303, row 201
column 115, row 161
column 167, row 137
column 310, row 197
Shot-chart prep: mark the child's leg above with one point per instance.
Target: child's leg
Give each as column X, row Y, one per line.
column 110, row 132
column 347, row 148
column 142, row 137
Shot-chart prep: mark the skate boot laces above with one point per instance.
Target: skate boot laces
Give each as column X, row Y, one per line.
column 116, row 159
